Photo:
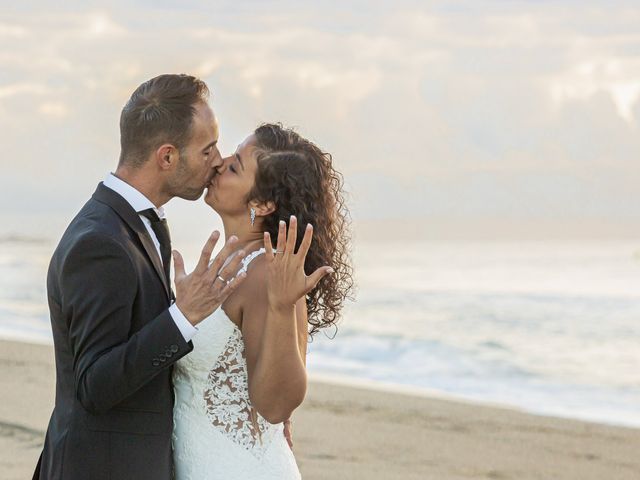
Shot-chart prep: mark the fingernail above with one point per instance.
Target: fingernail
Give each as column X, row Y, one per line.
column 330, row 270
column 309, row 226
column 233, row 238
column 293, row 217
column 282, row 223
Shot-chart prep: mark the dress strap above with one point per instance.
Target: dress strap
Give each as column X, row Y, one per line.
column 250, row 258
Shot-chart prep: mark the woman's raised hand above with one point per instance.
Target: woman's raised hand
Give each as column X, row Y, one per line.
column 286, row 278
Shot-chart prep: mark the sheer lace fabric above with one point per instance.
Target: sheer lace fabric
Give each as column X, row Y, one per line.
column 227, row 398
column 217, row 432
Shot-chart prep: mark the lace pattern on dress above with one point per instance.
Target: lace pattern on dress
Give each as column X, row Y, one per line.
column 227, row 398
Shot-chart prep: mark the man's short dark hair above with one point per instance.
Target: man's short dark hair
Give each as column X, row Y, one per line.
column 161, row 110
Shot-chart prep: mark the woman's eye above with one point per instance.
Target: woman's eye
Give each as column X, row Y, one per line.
column 232, row 168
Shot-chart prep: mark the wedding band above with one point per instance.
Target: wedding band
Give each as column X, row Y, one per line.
column 220, row 278
column 279, row 251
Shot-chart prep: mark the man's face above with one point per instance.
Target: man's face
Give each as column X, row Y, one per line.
column 199, row 159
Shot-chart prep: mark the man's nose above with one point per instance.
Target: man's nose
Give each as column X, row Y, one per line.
column 224, row 163
column 217, row 161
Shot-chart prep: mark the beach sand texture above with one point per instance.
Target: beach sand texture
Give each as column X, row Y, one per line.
column 354, row 433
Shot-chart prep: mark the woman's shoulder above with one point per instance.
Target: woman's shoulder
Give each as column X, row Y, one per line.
column 252, row 288
column 254, row 265
column 251, row 292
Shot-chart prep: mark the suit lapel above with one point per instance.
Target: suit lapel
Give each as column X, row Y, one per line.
column 132, row 219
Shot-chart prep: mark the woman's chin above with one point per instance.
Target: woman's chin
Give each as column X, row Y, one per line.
column 209, row 197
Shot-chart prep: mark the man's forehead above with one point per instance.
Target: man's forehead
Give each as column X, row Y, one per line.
column 207, row 118
column 215, row 126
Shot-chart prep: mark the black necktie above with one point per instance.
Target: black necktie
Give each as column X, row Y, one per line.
column 161, row 230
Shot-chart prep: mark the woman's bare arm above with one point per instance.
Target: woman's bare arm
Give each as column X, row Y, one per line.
column 275, row 350
column 276, row 296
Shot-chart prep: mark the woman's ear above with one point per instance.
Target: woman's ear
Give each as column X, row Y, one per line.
column 263, row 209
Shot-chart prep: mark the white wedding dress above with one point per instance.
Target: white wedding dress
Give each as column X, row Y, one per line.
column 217, row 433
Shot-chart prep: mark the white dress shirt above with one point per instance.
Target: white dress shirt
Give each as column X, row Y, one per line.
column 139, row 203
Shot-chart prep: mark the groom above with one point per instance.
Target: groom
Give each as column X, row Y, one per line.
column 117, row 327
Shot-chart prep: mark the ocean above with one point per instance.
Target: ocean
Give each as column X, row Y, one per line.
column 548, row 327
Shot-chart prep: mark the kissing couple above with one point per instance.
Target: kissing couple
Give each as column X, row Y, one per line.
column 201, row 382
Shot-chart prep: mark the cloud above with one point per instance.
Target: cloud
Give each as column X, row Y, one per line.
column 472, row 109
column 13, row 31
column 23, row 89
column 54, row 109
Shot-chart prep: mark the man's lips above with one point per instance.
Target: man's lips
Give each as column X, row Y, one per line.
column 212, row 182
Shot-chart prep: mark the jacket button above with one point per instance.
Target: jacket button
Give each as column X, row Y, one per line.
column 174, row 348
column 168, row 354
column 162, row 358
column 155, row 363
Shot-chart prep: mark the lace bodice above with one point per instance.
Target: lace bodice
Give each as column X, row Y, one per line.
column 217, row 432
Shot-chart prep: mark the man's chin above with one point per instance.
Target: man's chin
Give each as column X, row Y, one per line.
column 192, row 195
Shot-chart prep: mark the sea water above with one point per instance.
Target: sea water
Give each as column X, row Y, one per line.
column 552, row 328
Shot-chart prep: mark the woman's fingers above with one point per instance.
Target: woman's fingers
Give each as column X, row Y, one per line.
column 306, row 242
column 313, row 279
column 282, row 237
column 268, row 246
column 292, row 236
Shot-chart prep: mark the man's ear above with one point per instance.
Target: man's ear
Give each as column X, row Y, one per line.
column 167, row 156
column 263, row 209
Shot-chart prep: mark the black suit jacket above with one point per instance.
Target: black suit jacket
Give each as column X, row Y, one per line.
column 115, row 343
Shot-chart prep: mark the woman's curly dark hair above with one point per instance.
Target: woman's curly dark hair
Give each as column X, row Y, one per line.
column 300, row 180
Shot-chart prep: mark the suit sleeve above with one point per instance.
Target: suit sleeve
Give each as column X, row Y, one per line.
column 99, row 286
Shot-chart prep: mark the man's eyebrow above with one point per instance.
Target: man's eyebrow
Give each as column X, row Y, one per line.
column 240, row 160
column 212, row 144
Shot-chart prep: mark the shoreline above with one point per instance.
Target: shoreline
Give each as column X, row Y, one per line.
column 391, row 388
column 351, row 432
column 427, row 393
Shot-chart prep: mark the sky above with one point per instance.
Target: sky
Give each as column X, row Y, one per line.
column 478, row 119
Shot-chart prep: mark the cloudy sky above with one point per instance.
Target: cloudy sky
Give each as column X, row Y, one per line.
column 473, row 119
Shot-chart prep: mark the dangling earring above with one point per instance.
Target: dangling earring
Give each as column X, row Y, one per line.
column 253, row 216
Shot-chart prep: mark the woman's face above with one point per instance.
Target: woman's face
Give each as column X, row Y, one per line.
column 233, row 180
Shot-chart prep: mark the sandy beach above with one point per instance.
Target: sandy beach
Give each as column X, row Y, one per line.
column 354, row 433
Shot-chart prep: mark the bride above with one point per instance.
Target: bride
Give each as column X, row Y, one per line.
column 246, row 374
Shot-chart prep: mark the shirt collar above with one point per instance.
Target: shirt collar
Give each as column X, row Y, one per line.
column 133, row 197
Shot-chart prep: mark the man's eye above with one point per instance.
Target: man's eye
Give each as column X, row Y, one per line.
column 206, row 154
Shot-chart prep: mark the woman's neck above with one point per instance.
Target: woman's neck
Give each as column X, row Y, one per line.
column 249, row 237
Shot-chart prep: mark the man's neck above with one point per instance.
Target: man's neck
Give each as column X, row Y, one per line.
column 145, row 183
